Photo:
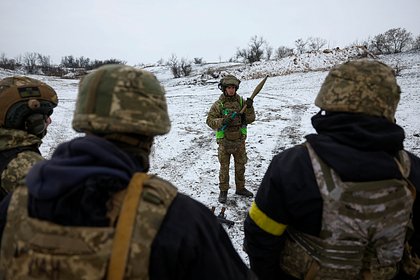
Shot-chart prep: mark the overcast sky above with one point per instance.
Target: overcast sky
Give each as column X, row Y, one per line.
column 138, row 31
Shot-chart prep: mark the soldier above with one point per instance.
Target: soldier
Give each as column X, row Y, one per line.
column 26, row 105
column 231, row 131
column 93, row 210
column 342, row 205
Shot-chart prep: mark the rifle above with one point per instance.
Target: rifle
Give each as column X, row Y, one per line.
column 254, row 93
column 222, row 217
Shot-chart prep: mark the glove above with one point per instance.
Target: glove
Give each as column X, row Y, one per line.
column 228, row 119
column 249, row 102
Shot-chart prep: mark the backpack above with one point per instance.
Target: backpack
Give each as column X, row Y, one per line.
column 37, row 249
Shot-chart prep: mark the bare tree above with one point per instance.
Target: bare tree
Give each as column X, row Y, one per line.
column 254, row 52
column 283, row 52
column 185, row 67
column 398, row 39
column 83, row 62
column 394, row 40
column 69, row 62
column 174, row 65
column 44, row 60
column 268, row 51
column 19, row 60
column 377, row 44
column 416, row 43
column 7, row 63
column 29, row 62
column 242, row 54
column 300, row 46
column 316, row 43
column 98, row 63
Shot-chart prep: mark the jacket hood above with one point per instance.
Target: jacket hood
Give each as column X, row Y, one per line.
column 358, row 147
column 73, row 187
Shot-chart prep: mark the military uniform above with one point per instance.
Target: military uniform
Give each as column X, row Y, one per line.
column 93, row 211
column 25, row 104
column 343, row 205
column 231, row 137
column 17, row 168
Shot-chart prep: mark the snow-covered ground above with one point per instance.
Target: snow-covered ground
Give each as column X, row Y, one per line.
column 187, row 156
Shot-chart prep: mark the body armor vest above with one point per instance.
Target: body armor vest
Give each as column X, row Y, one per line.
column 36, row 249
column 235, row 130
column 363, row 231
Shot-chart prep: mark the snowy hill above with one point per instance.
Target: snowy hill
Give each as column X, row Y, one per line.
column 187, row 156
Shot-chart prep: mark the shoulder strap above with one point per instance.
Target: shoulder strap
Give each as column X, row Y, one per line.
column 326, row 182
column 404, row 164
column 125, row 225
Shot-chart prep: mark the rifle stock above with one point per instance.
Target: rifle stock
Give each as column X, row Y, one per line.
column 222, row 217
column 225, row 221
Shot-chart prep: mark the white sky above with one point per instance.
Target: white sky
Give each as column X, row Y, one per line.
column 139, row 31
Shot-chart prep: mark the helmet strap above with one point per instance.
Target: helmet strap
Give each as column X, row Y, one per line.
column 36, row 124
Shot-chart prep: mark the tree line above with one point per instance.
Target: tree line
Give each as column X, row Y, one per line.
column 394, row 40
column 36, row 63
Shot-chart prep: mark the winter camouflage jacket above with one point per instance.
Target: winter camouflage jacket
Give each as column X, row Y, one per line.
column 17, row 168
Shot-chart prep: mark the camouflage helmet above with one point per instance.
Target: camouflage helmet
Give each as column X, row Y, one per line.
column 228, row 80
column 121, row 99
column 24, row 103
column 360, row 86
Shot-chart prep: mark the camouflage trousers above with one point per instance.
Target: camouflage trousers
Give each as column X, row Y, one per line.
column 238, row 151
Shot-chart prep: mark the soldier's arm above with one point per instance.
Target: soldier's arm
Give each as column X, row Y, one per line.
column 214, row 117
column 18, row 168
column 250, row 115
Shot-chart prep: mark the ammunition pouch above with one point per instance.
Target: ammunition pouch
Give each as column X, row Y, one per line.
column 233, row 134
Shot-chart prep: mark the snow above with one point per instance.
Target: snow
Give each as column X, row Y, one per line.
column 187, row 156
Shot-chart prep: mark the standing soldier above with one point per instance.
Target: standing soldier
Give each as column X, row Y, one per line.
column 231, row 131
column 343, row 205
column 25, row 108
column 93, row 211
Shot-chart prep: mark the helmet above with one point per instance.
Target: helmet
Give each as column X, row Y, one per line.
column 228, row 80
column 121, row 99
column 24, row 103
column 360, row 86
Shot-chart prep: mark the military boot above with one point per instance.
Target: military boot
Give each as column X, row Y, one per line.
column 223, row 196
column 244, row 192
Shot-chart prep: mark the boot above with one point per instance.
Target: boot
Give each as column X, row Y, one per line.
column 244, row 192
column 223, row 196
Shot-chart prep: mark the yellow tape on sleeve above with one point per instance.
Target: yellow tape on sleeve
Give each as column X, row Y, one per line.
column 264, row 222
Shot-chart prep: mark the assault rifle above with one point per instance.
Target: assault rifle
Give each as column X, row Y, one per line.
column 254, row 93
column 222, row 217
